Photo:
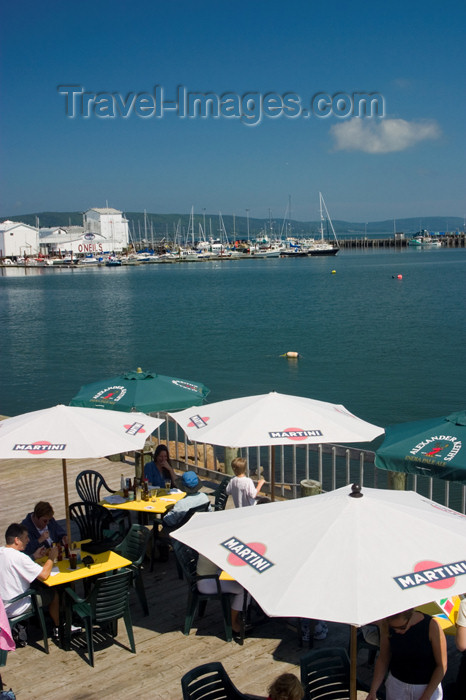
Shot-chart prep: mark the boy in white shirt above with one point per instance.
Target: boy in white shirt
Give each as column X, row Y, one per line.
column 241, row 487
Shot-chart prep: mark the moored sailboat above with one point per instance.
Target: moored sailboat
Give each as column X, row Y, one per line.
column 324, row 246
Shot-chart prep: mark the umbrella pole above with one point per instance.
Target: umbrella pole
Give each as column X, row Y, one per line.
column 353, row 661
column 67, row 503
column 272, row 475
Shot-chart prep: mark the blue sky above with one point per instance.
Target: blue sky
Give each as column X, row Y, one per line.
column 411, row 162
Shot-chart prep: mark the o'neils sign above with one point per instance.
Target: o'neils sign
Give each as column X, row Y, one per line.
column 247, row 554
column 436, row 575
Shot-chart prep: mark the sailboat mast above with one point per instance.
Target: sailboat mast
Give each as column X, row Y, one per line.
column 321, row 217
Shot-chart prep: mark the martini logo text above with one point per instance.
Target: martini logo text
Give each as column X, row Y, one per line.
column 437, row 576
column 247, row 554
column 40, row 447
column 197, row 422
column 295, row 434
column 135, row 428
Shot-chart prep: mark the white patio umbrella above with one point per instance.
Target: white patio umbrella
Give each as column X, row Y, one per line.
column 273, row 419
column 337, row 557
column 69, row 432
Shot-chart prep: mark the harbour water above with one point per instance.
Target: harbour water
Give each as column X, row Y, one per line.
column 389, row 349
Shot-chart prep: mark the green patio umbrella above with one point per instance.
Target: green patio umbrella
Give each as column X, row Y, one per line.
column 432, row 447
column 147, row 392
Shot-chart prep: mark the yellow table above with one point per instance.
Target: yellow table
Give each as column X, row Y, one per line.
column 106, row 561
column 155, row 506
column 226, row 577
column 446, row 620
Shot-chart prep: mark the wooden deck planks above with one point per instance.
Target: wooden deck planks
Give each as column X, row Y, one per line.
column 164, row 654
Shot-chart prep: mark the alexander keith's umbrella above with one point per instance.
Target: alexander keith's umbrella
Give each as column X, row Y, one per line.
column 148, row 392
column 433, row 447
column 274, row 419
column 337, row 556
column 70, row 432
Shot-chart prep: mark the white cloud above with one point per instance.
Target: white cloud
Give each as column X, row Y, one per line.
column 402, row 83
column 381, row 135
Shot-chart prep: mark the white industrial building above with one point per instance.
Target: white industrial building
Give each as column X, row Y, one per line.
column 109, row 224
column 18, row 240
column 104, row 231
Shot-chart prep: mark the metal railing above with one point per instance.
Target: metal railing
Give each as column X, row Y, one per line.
column 332, row 466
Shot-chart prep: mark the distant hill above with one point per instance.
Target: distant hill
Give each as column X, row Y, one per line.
column 159, row 226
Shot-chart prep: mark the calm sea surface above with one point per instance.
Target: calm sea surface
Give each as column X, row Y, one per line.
column 390, row 350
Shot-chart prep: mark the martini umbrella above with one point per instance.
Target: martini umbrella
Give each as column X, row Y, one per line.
column 70, row 432
column 432, row 447
column 141, row 391
column 339, row 556
column 273, row 419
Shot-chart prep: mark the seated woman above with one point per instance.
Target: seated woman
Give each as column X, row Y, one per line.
column 205, row 567
column 160, row 469
column 43, row 530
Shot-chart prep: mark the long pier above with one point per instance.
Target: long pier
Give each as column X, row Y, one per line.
column 447, row 241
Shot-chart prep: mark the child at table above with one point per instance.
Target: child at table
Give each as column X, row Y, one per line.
column 241, row 487
column 286, row 687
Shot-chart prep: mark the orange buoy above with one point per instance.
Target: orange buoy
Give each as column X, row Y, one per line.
column 399, row 277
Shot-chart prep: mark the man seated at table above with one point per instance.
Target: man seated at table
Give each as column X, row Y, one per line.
column 18, row 572
column 190, row 484
column 43, row 530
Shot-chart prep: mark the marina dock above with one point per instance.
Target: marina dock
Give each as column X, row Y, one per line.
column 163, row 653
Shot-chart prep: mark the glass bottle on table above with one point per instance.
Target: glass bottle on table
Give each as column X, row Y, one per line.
column 145, row 490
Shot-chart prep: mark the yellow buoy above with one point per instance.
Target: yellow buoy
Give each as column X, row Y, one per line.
column 334, row 272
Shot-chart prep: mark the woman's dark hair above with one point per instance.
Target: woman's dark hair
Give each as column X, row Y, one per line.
column 158, row 450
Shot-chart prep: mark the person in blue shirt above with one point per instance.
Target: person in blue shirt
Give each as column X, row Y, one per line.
column 160, row 469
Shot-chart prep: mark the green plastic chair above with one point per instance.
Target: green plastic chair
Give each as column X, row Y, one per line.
column 107, row 602
column 134, row 547
column 220, row 494
column 89, row 484
column 325, row 673
column 210, row 681
column 35, row 609
column 187, row 560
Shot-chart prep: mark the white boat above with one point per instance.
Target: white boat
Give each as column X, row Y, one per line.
column 324, row 246
column 423, row 238
column 146, row 257
column 261, row 252
column 88, row 260
column 113, row 261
